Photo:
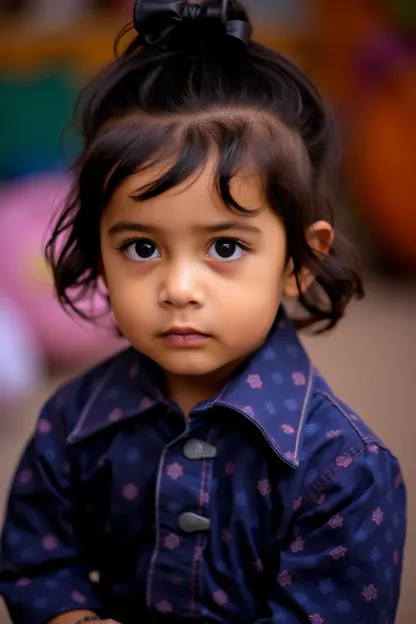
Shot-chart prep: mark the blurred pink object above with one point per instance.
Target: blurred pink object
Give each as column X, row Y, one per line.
column 26, row 209
column 21, row 365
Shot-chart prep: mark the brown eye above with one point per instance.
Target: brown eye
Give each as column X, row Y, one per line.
column 141, row 250
column 226, row 249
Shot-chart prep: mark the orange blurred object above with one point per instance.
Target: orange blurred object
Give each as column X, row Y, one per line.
column 382, row 160
column 369, row 76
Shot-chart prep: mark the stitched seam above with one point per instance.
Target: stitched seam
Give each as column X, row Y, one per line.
column 257, row 423
column 194, row 573
column 341, row 409
column 303, row 413
column 317, row 489
column 195, row 582
column 155, row 554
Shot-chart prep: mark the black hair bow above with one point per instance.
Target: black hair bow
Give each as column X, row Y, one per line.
column 159, row 21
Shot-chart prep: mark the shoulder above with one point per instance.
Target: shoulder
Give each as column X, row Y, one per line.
column 73, row 398
column 338, row 444
column 333, row 418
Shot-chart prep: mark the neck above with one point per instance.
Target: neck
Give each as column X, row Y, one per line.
column 189, row 390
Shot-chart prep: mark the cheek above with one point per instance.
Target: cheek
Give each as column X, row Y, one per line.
column 129, row 298
column 249, row 305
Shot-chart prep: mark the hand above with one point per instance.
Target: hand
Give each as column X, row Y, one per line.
column 105, row 622
column 78, row 616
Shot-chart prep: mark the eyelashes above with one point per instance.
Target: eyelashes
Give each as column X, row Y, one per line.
column 223, row 249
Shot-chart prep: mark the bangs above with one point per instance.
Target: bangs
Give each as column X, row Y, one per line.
column 177, row 150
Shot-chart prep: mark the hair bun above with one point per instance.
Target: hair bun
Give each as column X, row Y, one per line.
column 174, row 24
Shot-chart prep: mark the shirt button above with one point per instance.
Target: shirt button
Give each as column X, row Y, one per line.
column 197, row 449
column 193, row 523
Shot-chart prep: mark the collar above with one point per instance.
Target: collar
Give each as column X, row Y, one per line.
column 272, row 390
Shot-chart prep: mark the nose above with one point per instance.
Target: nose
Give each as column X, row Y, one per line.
column 181, row 287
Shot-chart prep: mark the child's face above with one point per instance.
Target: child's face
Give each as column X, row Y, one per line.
column 190, row 263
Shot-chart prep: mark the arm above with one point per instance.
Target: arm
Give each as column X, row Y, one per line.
column 44, row 565
column 345, row 561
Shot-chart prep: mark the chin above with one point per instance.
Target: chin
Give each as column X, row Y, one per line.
column 185, row 366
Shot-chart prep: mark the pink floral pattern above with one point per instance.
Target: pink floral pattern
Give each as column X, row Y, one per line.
column 297, row 503
column 146, row 403
column 44, row 426
column 264, row 487
column 298, row 545
column 288, row 429
column 255, row 382
column 220, row 597
column 339, row 552
column 284, row 578
column 164, row 607
column 370, row 593
column 130, row 491
column 26, row 476
column 172, row 541
column 174, row 471
column 50, row 542
column 378, row 516
column 134, row 371
column 115, row 415
column 23, row 582
column 331, row 435
column 336, row 522
column 298, row 379
column 78, row 597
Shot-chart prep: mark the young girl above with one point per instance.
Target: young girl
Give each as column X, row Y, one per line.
column 207, row 473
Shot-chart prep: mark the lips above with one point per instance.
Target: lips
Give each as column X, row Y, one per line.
column 184, row 331
column 184, row 336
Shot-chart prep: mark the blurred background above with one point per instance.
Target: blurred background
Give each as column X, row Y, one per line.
column 362, row 55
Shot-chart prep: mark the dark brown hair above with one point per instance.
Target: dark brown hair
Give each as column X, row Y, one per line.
column 177, row 105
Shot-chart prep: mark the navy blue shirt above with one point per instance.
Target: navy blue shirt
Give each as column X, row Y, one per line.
column 273, row 503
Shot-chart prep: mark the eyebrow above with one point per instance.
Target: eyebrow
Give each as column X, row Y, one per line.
column 132, row 226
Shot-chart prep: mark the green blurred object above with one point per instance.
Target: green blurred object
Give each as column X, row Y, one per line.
column 34, row 113
column 404, row 11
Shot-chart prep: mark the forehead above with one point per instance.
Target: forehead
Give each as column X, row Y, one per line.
column 196, row 200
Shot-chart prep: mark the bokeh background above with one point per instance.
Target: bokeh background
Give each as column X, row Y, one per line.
column 362, row 55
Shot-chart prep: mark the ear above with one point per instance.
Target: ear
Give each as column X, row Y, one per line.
column 101, row 273
column 319, row 236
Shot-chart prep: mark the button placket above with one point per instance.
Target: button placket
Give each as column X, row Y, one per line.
column 185, row 483
column 195, row 449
